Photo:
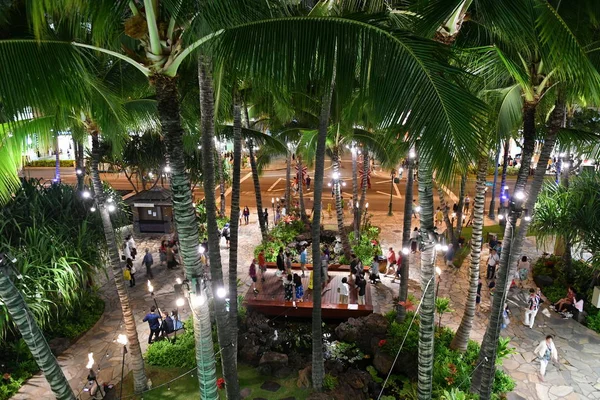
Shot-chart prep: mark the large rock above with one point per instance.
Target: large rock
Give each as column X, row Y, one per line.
column 250, row 354
column 382, row 362
column 363, row 331
column 271, row 362
column 406, row 364
column 352, row 384
column 304, row 376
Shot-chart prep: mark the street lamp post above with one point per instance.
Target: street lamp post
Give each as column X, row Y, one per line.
column 122, row 339
column 393, row 176
column 151, row 290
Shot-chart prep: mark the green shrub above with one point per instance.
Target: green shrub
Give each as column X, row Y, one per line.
column 80, row 320
column 280, row 236
column 374, row 375
column 330, row 382
column 18, row 365
column 346, row 353
column 593, row 321
column 51, row 163
column 460, row 256
column 181, row 354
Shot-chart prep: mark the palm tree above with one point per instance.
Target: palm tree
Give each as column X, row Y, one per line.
column 32, row 334
column 427, row 322
column 404, row 268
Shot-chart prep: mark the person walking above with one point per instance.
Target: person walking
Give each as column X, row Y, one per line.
column 303, row 257
column 280, row 262
column 546, row 351
column 288, row 262
column 266, row 217
column 147, row 262
column 246, row 214
column 171, row 262
column 344, row 291
column 226, row 234
column 524, row 267
column 299, row 288
column 361, row 286
column 467, row 203
column 152, row 319
column 162, row 251
column 439, row 216
column 308, row 183
column 449, row 256
column 415, row 213
column 130, row 243
column 262, row 265
column 132, row 272
column 533, row 303
column 493, row 260
column 252, row 274
column 374, row 273
column 391, row 262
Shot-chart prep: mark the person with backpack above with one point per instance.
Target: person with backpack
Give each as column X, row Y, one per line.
column 533, row 303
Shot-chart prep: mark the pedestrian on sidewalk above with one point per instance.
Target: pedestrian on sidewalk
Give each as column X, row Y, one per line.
column 148, row 261
column 467, row 203
column 415, row 214
column 163, row 252
column 152, row 319
column 398, row 268
column 533, row 303
column 449, row 256
column 374, row 273
column 493, row 260
column 266, row 217
column 546, row 351
column 308, row 183
column 246, row 215
column 391, row 262
column 523, row 268
column 130, row 243
column 439, row 216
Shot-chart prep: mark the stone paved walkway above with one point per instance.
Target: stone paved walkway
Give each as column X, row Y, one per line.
column 578, row 347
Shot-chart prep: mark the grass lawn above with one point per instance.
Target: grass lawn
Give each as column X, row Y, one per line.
column 187, row 386
column 467, row 231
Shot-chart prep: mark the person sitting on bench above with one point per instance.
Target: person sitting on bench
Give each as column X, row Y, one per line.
column 167, row 325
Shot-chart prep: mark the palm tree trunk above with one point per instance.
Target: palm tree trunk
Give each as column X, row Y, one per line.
column 288, row 178
column 363, row 195
column 33, row 335
column 57, row 161
column 445, row 211
column 228, row 351
column 234, row 224
column 492, row 210
column 404, row 270
column 459, row 213
column 140, row 382
column 461, row 339
column 504, row 168
column 427, row 325
column 261, row 215
column 318, row 363
column 78, row 151
column 303, row 216
column 339, row 208
column 483, row 377
column 187, row 227
column 355, row 213
column 221, row 172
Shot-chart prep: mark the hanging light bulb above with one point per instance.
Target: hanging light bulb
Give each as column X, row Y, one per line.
column 111, row 208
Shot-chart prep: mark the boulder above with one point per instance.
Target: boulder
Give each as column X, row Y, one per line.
column 352, row 384
column 304, row 376
column 282, row 372
column 363, row 331
column 250, row 353
column 382, row 362
column 406, row 364
column 543, row 281
column 377, row 324
column 271, row 362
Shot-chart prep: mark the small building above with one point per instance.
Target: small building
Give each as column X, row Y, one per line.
column 152, row 211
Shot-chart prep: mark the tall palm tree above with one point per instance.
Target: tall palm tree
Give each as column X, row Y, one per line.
column 427, row 322
column 406, row 225
column 32, row 334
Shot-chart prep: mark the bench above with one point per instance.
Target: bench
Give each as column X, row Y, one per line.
column 331, row 267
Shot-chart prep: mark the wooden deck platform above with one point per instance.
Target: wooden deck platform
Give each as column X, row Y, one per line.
column 269, row 300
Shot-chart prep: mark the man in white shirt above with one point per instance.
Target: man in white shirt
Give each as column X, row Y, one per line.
column 546, row 351
column 493, row 260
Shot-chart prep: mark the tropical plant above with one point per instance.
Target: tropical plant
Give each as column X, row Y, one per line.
column 442, row 306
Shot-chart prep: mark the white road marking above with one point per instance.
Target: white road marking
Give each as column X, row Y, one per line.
column 273, row 185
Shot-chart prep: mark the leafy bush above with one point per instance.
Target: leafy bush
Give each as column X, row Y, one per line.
column 18, row 365
column 593, row 321
column 181, row 354
column 346, row 353
column 330, row 382
column 460, row 256
column 280, row 236
column 367, row 247
column 80, row 320
column 51, row 163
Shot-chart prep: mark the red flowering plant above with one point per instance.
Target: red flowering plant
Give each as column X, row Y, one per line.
column 220, row 383
column 382, row 342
